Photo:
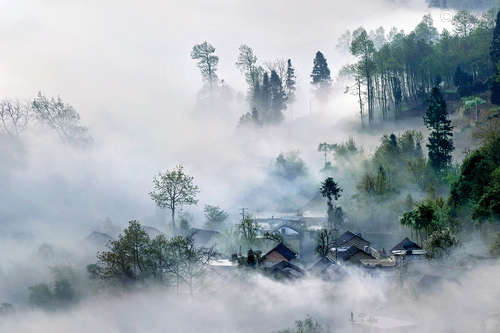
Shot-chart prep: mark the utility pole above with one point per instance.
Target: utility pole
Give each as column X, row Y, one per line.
column 243, row 213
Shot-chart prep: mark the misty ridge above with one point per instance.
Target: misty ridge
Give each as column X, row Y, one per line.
column 207, row 167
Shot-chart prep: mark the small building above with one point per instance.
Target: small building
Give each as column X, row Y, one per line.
column 407, row 250
column 286, row 270
column 406, row 245
column 278, row 254
column 350, row 255
column 323, row 266
column 348, row 239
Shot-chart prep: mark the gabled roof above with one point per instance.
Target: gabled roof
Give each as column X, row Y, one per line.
column 286, row 269
column 348, row 236
column 283, row 250
column 285, row 264
column 406, row 244
column 321, row 265
column 346, row 254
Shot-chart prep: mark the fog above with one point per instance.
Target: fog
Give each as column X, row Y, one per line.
column 126, row 68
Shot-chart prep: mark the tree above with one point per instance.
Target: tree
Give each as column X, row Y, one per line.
column 61, row 117
column 321, row 74
column 427, row 217
column 173, row 189
column 207, row 62
column 187, row 262
column 440, row 243
column 41, row 296
column 247, row 64
column 363, row 48
column 290, row 82
column 426, row 31
column 440, row 143
column 326, row 148
column 464, row 22
column 126, row 259
column 248, row 230
column 324, row 242
column 215, row 217
column 290, row 166
column 277, row 98
column 330, row 190
column 495, row 60
column 14, row 117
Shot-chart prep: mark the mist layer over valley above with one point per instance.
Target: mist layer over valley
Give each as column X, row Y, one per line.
column 295, row 187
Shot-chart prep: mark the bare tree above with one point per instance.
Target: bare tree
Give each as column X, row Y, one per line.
column 173, row 189
column 14, row 116
column 326, row 240
column 280, row 66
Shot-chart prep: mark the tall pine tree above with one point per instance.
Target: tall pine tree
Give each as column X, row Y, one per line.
column 495, row 59
column 278, row 98
column 290, row 82
column 321, row 73
column 440, row 143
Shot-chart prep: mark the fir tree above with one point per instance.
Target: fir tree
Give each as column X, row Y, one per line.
column 278, row 99
column 495, row 59
column 321, row 73
column 290, row 82
column 440, row 143
column 265, row 93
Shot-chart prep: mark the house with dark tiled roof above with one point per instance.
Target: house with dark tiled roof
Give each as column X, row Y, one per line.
column 406, row 245
column 278, row 254
column 286, row 270
column 407, row 249
column 323, row 266
column 348, row 239
column 351, row 255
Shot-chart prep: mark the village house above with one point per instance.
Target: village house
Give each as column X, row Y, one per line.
column 348, row 239
column 407, row 250
column 278, row 254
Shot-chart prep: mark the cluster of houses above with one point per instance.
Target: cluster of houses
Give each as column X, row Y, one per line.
column 348, row 249
column 294, row 255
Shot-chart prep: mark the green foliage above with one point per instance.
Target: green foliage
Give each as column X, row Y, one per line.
column 290, row 166
column 440, row 243
column 134, row 257
column 215, row 217
column 41, row 296
column 60, row 293
column 476, row 191
column 395, row 78
column 427, row 217
column 331, row 190
column 495, row 60
column 207, row 62
column 398, row 163
column 321, row 73
column 440, row 143
column 290, row 82
column 248, row 230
